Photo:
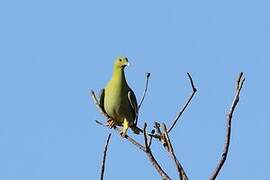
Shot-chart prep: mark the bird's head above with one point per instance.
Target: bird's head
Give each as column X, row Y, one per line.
column 121, row 62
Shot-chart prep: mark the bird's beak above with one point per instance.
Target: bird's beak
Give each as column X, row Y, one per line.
column 128, row 64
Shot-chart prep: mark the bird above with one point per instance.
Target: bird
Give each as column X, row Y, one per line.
column 118, row 100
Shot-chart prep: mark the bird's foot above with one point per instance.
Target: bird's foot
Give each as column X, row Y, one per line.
column 110, row 123
column 123, row 132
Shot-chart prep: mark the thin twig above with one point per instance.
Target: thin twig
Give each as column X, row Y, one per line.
column 240, row 82
column 142, row 99
column 150, row 141
column 179, row 167
column 151, row 157
column 185, row 106
column 104, row 157
column 145, row 90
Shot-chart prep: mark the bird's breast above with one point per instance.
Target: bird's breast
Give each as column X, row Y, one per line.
column 116, row 103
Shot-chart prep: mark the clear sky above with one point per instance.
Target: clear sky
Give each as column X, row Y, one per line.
column 52, row 53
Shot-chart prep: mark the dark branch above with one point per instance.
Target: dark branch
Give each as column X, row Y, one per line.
column 147, row 148
column 104, row 157
column 239, row 85
column 180, row 169
column 145, row 90
column 150, row 141
column 187, row 103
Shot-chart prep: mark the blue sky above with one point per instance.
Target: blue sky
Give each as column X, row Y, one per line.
column 54, row 52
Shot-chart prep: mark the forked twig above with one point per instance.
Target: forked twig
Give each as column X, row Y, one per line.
column 186, row 104
column 151, row 157
column 239, row 84
column 104, row 158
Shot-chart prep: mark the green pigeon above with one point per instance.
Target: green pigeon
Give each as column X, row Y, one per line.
column 119, row 101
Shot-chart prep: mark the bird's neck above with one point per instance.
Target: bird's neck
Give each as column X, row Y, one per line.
column 119, row 75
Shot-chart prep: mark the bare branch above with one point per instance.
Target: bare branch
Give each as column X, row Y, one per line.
column 180, row 169
column 152, row 158
column 145, row 90
column 104, row 157
column 186, row 104
column 130, row 139
column 239, row 85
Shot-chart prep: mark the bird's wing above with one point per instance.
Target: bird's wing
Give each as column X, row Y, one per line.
column 101, row 99
column 133, row 102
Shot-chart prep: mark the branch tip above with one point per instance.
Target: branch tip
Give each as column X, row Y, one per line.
column 144, row 92
column 239, row 84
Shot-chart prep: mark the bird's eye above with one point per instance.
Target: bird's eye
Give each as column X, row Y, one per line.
column 120, row 60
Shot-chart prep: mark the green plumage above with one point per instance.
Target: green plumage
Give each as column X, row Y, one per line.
column 118, row 100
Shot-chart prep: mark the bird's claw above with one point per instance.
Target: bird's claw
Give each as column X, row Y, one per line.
column 110, row 123
column 123, row 133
